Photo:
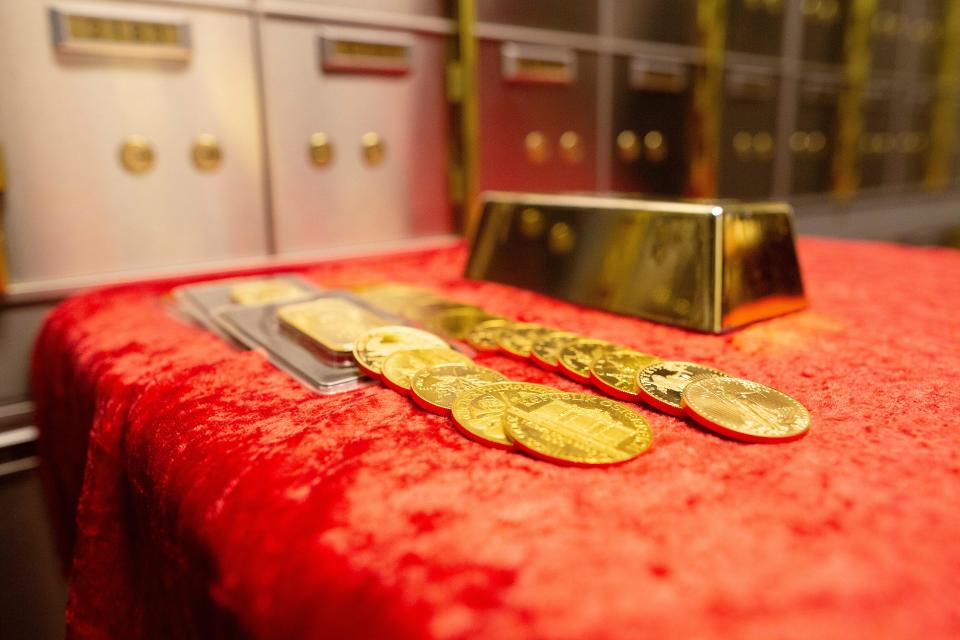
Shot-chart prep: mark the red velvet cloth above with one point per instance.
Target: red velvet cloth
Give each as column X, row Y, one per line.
column 218, row 497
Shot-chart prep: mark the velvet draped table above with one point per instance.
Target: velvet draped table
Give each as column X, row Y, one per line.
column 200, row 492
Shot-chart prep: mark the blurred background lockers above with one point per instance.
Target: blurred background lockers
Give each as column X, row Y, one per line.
column 140, row 138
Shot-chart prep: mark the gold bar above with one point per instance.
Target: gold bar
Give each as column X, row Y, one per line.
column 708, row 266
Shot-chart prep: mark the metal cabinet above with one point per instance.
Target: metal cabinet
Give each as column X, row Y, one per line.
column 357, row 134
column 538, row 117
column 747, row 133
column 651, row 125
column 673, row 21
column 811, row 142
column 130, row 135
column 755, row 26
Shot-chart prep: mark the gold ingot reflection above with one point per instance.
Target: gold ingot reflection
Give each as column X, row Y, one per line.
column 537, row 146
column 531, row 223
column 206, row 153
column 321, row 149
column 654, row 146
column 571, row 149
column 136, row 154
column 373, row 148
column 628, row 146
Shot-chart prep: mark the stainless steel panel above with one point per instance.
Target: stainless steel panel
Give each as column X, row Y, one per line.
column 747, row 132
column 513, row 116
column 658, row 20
column 386, row 174
column 559, row 15
column 18, row 328
column 654, row 116
column 755, row 26
column 71, row 208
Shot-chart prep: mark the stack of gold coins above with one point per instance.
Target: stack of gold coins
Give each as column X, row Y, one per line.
column 565, row 428
column 732, row 407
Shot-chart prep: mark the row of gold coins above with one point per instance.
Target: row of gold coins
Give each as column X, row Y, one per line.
column 566, row 428
column 734, row 407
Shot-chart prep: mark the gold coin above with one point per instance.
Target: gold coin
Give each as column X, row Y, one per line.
column 575, row 359
column 745, row 410
column 436, row 387
column 483, row 336
column 265, row 291
column 480, row 413
column 544, row 350
column 393, row 297
column 332, row 323
column 660, row 384
column 576, row 428
column 518, row 339
column 373, row 347
column 615, row 373
column 457, row 322
column 400, row 367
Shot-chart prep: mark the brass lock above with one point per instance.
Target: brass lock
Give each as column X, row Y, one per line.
column 373, row 148
column 206, row 153
column 531, row 223
column 321, row 150
column 654, row 146
column 136, row 154
column 538, row 149
column 561, row 238
column 628, row 146
column 571, row 149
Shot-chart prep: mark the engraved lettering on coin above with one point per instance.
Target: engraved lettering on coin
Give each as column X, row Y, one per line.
column 480, row 413
column 660, row 384
column 334, row 323
column 436, row 387
column 576, row 428
column 373, row 347
column 546, row 349
column 400, row 367
column 745, row 410
column 616, row 372
column 575, row 358
column 519, row 338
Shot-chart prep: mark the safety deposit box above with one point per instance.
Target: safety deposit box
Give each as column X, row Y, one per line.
column 357, row 133
column 812, row 140
column 747, row 134
column 651, row 125
column 130, row 136
column 755, row 26
column 877, row 142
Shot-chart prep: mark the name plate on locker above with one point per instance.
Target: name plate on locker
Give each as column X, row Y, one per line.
column 535, row 64
column 709, row 266
column 344, row 50
column 120, row 32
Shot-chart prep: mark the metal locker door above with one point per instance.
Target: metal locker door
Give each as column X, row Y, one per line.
column 357, row 141
column 747, row 132
column 76, row 202
column 812, row 140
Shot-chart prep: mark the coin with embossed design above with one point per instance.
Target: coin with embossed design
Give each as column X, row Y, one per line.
column 544, row 351
column 480, row 413
column 400, row 367
column 436, row 387
column 373, row 347
column 745, row 410
column 574, row 360
column 518, row 339
column 483, row 336
column 661, row 383
column 615, row 373
column 576, row 428
column 456, row 322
